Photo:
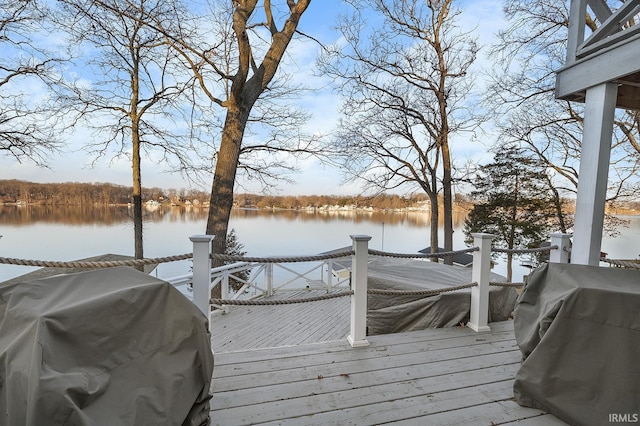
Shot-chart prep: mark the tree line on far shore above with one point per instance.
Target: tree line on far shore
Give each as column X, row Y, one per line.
column 18, row 191
column 78, row 193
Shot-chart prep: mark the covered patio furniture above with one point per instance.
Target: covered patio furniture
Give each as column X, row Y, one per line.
column 105, row 347
column 578, row 328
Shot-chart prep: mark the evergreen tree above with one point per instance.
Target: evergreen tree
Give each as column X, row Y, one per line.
column 512, row 202
column 235, row 248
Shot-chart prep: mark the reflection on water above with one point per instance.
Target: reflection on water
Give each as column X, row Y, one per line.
column 408, row 218
column 109, row 215
column 77, row 232
column 69, row 215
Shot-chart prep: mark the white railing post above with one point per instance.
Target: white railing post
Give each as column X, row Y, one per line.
column 359, row 270
column 202, row 272
column 330, row 275
column 561, row 254
column 268, row 278
column 480, row 274
column 224, row 290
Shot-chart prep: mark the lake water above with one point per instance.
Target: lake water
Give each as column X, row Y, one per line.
column 70, row 233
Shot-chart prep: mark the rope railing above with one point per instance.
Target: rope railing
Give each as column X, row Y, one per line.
column 501, row 284
column 291, row 301
column 631, row 264
column 422, row 255
column 262, row 302
column 283, row 259
column 523, row 251
column 93, row 264
column 420, row 292
column 271, row 259
column 166, row 259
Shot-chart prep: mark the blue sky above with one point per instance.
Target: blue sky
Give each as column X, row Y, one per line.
column 484, row 16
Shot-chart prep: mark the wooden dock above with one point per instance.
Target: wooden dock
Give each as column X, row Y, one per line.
column 450, row 376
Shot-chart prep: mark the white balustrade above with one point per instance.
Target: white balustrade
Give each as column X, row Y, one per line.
column 480, row 274
column 202, row 272
column 358, row 331
column 268, row 278
column 203, row 276
column 561, row 253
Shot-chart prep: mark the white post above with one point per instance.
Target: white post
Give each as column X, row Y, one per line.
column 561, row 254
column 268, row 278
column 224, row 284
column 202, row 272
column 359, row 270
column 224, row 290
column 480, row 274
column 329, row 275
column 600, row 106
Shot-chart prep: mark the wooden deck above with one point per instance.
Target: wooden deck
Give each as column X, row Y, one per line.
column 250, row 327
column 434, row 377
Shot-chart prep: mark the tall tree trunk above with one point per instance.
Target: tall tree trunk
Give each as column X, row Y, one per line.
column 447, row 201
column 244, row 92
column 222, row 188
column 435, row 216
column 512, row 228
column 443, row 131
column 238, row 106
column 137, row 195
column 136, row 164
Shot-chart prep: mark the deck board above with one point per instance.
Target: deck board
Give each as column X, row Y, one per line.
column 253, row 327
column 492, row 413
column 443, row 376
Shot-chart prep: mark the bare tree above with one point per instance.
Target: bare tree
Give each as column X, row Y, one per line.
column 27, row 129
column 132, row 91
column 526, row 111
column 406, row 86
column 221, row 49
column 235, row 64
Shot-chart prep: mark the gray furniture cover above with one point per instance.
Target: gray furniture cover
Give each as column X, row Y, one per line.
column 578, row 328
column 106, row 347
column 398, row 313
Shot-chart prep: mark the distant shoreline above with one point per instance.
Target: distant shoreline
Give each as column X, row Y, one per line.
column 21, row 193
column 308, row 209
column 204, row 206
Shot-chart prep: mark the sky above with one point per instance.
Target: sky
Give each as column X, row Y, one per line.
column 74, row 165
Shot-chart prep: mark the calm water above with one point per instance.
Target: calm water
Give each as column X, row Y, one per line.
column 69, row 233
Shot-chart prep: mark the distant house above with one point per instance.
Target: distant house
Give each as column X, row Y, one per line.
column 461, row 259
